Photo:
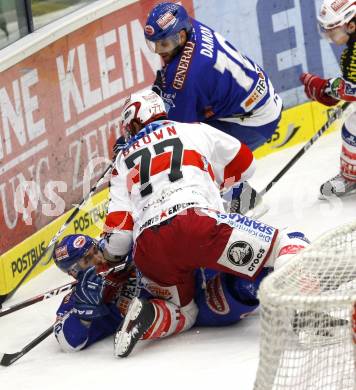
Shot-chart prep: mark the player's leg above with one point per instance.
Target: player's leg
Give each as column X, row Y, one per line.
column 158, row 252
column 169, row 254
column 230, row 243
column 226, row 299
column 152, row 319
column 345, row 182
column 240, row 245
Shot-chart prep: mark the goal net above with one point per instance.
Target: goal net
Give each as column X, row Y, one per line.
column 308, row 318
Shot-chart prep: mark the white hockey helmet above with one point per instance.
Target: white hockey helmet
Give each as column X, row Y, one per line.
column 336, row 13
column 141, row 109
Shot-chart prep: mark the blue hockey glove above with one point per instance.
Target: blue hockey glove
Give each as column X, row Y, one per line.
column 88, row 295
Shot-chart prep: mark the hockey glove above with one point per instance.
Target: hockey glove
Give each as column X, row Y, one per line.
column 88, row 295
column 315, row 87
column 244, row 198
column 119, row 144
column 158, row 83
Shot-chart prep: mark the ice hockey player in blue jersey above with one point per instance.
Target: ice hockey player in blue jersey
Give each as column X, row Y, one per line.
column 205, row 79
column 89, row 312
column 97, row 305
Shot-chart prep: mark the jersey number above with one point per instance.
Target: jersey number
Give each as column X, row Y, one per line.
column 145, row 163
column 223, row 62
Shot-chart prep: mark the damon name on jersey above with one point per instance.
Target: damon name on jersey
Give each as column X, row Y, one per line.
column 210, row 79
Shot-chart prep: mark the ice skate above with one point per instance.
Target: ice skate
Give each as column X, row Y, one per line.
column 338, row 186
column 139, row 318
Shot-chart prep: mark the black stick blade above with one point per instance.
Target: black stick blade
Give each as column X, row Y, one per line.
column 8, row 358
column 3, row 299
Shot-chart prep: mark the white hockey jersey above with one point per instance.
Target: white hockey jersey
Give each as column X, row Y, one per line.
column 169, row 167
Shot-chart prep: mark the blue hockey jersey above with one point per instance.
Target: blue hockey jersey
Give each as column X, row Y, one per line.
column 210, row 79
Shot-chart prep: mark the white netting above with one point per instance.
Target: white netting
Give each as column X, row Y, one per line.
column 308, row 318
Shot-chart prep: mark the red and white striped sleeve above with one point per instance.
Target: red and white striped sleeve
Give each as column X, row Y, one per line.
column 119, row 223
column 240, row 168
column 232, row 161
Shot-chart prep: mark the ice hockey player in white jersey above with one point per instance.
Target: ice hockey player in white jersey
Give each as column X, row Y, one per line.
column 337, row 22
column 165, row 201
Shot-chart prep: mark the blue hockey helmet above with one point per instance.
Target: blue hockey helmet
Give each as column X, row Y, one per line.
column 70, row 250
column 166, row 20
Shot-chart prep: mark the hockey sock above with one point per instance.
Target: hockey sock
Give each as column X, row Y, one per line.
column 170, row 319
column 348, row 152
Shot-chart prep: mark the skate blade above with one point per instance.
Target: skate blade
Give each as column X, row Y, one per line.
column 343, row 195
column 121, row 343
column 122, row 339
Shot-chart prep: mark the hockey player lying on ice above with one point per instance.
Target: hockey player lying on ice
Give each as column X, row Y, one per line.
column 96, row 307
column 165, row 201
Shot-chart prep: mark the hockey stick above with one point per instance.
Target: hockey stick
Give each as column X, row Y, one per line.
column 4, row 297
column 334, row 115
column 54, row 292
column 6, row 359
column 48, row 294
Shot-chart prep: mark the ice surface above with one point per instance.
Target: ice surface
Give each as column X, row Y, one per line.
column 201, row 358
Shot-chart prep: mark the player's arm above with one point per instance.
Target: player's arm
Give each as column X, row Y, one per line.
column 232, row 161
column 85, row 316
column 327, row 91
column 118, row 225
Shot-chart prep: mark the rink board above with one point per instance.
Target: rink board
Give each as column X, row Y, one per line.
column 60, row 100
column 15, row 262
column 298, row 125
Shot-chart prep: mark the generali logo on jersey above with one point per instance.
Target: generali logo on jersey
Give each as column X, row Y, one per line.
column 183, row 65
column 338, row 4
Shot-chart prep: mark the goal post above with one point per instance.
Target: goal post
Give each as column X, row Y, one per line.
column 308, row 318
